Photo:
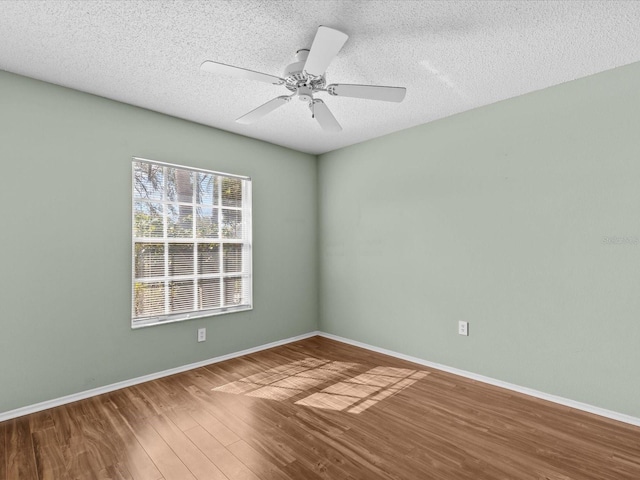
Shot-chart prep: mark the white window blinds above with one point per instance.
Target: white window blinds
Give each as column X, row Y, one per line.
column 191, row 244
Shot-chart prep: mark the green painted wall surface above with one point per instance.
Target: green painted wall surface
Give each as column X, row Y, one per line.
column 65, row 237
column 522, row 217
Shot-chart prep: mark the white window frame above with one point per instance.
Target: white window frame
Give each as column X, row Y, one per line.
column 246, row 272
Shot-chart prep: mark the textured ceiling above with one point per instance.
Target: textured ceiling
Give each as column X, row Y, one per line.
column 451, row 56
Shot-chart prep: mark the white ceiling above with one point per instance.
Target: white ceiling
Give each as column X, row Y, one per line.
column 451, row 56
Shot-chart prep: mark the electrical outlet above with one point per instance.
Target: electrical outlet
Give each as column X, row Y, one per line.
column 463, row 328
column 202, row 334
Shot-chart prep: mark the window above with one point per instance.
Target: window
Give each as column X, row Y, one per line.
column 191, row 244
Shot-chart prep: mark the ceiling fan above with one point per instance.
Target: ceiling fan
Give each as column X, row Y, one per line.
column 306, row 77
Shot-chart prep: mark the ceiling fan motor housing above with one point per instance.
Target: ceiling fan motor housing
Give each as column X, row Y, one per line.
column 305, row 94
column 296, row 78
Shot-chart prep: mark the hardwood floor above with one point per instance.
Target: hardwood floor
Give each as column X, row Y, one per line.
column 317, row 409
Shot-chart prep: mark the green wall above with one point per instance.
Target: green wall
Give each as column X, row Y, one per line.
column 65, row 236
column 522, row 217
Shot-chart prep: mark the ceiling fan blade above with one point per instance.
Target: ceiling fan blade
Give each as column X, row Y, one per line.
column 222, row 69
column 324, row 116
column 371, row 92
column 326, row 45
column 257, row 113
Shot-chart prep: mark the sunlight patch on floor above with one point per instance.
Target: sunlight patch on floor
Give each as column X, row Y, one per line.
column 351, row 389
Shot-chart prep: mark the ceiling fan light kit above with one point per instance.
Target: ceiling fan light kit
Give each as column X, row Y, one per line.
column 306, row 77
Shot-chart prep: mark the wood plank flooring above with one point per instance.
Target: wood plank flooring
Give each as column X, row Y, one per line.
column 316, row 409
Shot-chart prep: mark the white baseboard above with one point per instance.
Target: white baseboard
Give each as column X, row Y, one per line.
column 56, row 402
column 492, row 381
column 18, row 412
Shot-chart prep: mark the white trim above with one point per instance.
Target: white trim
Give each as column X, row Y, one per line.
column 56, row 402
column 621, row 417
column 193, row 169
